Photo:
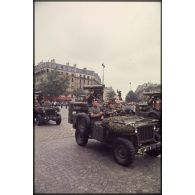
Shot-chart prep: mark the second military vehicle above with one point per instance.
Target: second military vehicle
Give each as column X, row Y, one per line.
column 152, row 108
column 43, row 113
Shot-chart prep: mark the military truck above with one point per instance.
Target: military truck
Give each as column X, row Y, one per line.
column 43, row 113
column 126, row 134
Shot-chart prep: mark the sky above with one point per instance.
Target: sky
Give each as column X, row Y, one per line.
column 125, row 36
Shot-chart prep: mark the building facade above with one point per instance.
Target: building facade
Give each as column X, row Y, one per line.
column 78, row 77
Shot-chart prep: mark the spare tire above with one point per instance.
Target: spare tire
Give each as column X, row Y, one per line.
column 83, row 124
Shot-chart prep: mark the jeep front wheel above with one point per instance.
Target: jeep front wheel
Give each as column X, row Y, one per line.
column 83, row 125
column 80, row 139
column 123, row 151
column 58, row 121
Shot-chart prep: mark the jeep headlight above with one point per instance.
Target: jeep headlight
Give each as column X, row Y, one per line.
column 155, row 128
column 136, row 131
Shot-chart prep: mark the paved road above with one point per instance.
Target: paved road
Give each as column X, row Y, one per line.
column 61, row 166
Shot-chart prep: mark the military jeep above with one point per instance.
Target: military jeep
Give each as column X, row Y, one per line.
column 126, row 134
column 42, row 114
column 147, row 109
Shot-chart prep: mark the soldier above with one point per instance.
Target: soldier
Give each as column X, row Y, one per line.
column 152, row 102
column 90, row 98
column 110, row 110
column 95, row 111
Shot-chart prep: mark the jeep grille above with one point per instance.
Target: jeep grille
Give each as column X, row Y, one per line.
column 50, row 112
column 145, row 133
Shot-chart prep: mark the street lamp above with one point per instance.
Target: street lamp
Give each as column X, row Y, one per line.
column 103, row 66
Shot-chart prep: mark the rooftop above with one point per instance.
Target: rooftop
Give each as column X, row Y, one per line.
column 66, row 68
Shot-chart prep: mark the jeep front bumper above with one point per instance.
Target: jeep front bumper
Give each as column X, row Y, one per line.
column 154, row 146
column 50, row 118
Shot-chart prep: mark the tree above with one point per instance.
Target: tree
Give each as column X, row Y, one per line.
column 111, row 94
column 54, row 84
column 78, row 92
column 131, row 97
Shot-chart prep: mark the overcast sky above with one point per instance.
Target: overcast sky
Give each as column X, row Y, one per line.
column 125, row 36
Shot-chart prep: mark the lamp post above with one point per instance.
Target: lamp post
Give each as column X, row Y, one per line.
column 103, row 66
column 130, row 86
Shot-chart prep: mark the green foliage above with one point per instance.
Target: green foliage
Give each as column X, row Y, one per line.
column 111, row 94
column 131, row 97
column 78, row 92
column 55, row 84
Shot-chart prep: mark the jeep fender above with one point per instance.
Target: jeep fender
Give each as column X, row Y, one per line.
column 154, row 114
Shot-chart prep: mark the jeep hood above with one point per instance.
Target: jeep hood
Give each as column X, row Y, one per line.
column 134, row 121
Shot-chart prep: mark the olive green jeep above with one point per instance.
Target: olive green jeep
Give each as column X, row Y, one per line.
column 127, row 134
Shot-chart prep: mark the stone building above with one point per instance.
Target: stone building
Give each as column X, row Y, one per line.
column 78, row 77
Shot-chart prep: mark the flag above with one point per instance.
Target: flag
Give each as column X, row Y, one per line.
column 103, row 65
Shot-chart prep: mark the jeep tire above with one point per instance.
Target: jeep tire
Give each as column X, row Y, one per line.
column 83, row 123
column 58, row 120
column 123, row 151
column 80, row 139
column 39, row 120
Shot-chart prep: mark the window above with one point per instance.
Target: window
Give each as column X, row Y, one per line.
column 88, row 82
column 72, row 80
column 47, row 70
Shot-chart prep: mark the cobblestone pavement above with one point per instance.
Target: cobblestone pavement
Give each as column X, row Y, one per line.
column 61, row 166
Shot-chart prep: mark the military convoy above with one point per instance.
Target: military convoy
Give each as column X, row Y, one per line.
column 126, row 132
